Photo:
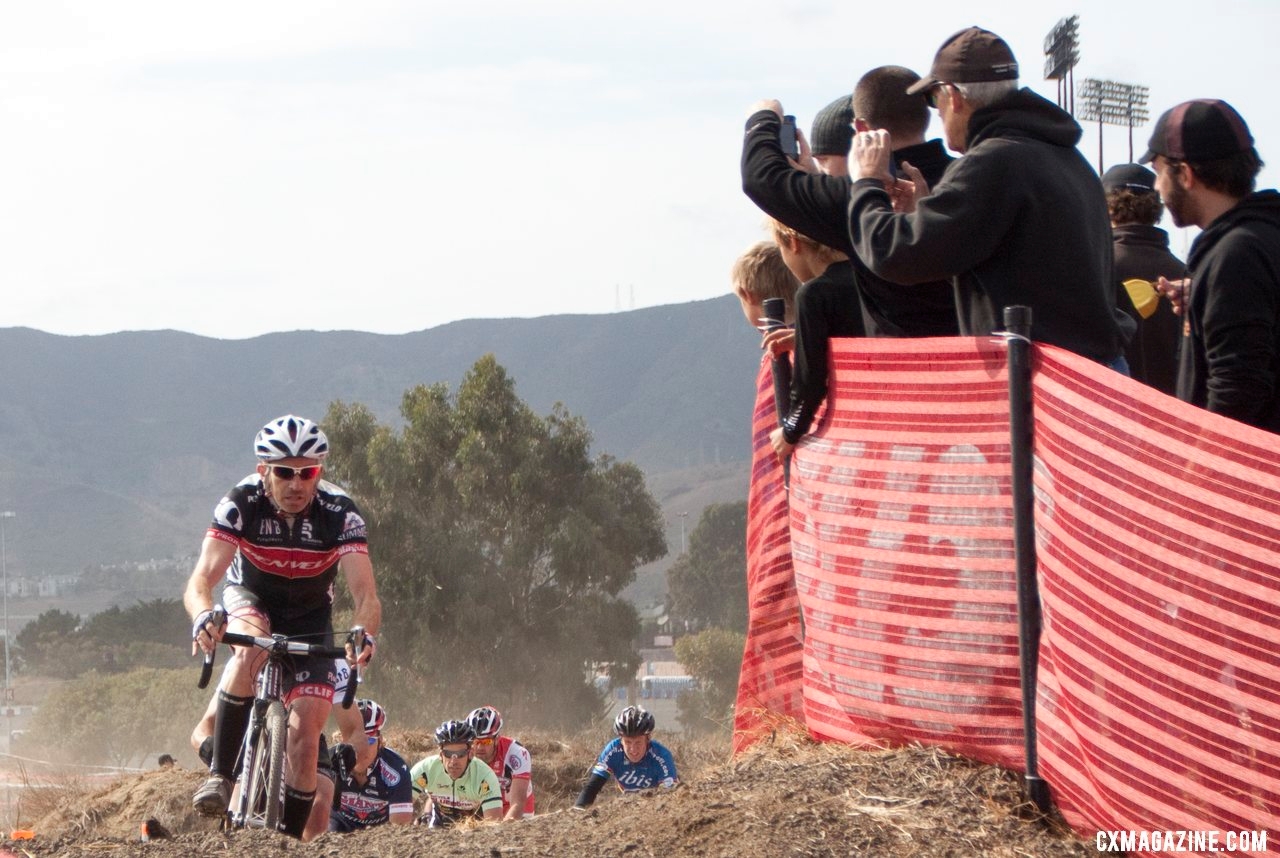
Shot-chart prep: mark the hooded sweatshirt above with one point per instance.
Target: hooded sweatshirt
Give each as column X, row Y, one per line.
column 1020, row 219
column 1230, row 360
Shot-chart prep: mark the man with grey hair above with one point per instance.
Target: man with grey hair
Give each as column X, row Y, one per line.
column 1021, row 219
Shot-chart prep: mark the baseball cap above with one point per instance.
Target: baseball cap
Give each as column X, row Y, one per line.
column 1129, row 177
column 833, row 128
column 1204, row 129
column 972, row 55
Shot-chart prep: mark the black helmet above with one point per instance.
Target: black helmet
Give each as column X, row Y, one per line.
column 454, row 731
column 633, row 721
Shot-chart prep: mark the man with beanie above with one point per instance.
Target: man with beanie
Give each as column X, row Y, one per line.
column 1142, row 257
column 832, row 136
column 1021, row 219
column 1206, row 167
column 816, row 205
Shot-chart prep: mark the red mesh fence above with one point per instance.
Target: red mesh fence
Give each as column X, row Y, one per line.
column 1158, row 534
column 770, row 678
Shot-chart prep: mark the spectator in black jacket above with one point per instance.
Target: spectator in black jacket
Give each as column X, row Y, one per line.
column 823, row 311
column 817, row 205
column 1021, row 219
column 1142, row 257
column 1206, row 168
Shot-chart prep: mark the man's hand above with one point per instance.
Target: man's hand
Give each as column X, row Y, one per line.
column 779, row 341
column 805, row 161
column 207, row 629
column 781, row 446
column 367, row 646
column 905, row 193
column 766, row 104
column 1176, row 291
column 869, row 157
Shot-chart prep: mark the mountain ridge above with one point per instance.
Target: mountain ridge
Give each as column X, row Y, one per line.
column 115, row 447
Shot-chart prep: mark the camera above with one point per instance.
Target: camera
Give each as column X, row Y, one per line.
column 788, row 137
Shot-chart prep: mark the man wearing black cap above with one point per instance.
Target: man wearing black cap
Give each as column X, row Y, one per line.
column 1020, row 219
column 1142, row 257
column 1206, row 166
column 832, row 136
column 816, row 205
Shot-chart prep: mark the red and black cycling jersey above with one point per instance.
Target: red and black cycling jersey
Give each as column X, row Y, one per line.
column 290, row 566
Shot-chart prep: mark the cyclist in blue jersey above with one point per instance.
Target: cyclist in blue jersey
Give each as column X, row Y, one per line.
column 375, row 795
column 285, row 534
column 633, row 759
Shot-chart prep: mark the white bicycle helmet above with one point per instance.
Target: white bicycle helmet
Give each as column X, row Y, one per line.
column 374, row 715
column 486, row 721
column 290, row 437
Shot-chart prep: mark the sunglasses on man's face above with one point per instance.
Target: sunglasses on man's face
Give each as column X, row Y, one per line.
column 306, row 474
column 453, row 755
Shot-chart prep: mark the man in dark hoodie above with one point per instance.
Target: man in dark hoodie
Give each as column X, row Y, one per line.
column 1206, row 166
column 816, row 205
column 1020, row 219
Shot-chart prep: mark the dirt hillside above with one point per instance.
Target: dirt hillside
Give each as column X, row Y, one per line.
column 790, row 797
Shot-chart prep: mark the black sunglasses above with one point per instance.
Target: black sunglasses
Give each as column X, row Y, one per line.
column 931, row 95
column 306, row 473
column 453, row 755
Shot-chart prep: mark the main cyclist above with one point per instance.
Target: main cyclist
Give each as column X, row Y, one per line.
column 285, row 534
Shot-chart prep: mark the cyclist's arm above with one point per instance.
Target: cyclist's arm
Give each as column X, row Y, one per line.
column 352, row 727
column 215, row 556
column 517, row 796
column 358, row 570
column 591, row 789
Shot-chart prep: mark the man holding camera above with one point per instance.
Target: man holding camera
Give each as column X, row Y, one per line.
column 1021, row 219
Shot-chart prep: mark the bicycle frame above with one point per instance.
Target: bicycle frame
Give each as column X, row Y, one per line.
column 259, row 792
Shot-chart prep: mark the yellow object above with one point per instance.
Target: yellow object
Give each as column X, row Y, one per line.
column 1144, row 296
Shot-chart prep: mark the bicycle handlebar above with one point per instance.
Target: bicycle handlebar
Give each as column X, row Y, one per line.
column 293, row 647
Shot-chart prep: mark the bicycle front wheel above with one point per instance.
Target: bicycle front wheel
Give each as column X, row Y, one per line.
column 266, row 780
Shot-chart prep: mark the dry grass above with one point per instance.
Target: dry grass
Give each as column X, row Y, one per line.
column 787, row 796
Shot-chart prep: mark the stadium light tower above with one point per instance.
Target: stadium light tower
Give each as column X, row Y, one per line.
column 1110, row 102
column 4, row 581
column 1062, row 52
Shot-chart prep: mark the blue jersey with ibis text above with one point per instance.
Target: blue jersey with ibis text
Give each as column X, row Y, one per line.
column 657, row 768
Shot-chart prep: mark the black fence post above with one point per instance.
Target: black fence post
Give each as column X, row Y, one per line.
column 1017, row 322
column 775, row 311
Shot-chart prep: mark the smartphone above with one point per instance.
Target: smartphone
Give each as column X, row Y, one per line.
column 787, row 137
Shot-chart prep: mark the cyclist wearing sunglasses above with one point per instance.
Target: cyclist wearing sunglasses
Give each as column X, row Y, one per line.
column 508, row 758
column 285, row 534
column 456, row 785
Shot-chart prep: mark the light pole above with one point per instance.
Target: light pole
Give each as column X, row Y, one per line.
column 4, row 581
column 684, row 547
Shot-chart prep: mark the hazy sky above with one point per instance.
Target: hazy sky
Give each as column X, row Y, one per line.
column 235, row 168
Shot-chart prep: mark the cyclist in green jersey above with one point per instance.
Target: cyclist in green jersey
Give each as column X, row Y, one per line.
column 456, row 785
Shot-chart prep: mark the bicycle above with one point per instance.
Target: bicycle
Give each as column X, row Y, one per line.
column 259, row 786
